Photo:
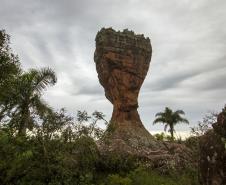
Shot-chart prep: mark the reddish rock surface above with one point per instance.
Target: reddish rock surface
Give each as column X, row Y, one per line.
column 122, row 61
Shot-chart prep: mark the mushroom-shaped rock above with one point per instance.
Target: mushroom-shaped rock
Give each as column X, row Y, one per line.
column 122, row 62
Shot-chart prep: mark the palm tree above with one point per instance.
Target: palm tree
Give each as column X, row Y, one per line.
column 170, row 119
column 26, row 96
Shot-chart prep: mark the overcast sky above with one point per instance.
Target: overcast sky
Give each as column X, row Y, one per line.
column 188, row 66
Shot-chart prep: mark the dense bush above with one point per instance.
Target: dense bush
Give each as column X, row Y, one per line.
column 32, row 160
column 142, row 176
column 26, row 160
column 116, row 163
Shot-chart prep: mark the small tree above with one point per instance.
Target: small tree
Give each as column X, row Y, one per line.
column 203, row 126
column 87, row 125
column 26, row 96
column 170, row 119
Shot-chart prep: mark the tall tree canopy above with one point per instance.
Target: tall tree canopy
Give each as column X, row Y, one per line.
column 10, row 70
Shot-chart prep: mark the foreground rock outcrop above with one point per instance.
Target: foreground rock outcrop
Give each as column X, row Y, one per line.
column 213, row 153
column 122, row 62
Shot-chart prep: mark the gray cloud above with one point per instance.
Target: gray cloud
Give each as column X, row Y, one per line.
column 90, row 90
column 212, row 72
column 188, row 63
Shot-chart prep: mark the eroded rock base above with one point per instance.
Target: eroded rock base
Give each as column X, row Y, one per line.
column 140, row 144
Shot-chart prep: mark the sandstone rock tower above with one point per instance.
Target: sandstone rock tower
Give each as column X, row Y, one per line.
column 122, row 61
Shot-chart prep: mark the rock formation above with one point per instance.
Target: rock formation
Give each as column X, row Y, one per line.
column 213, row 153
column 122, row 62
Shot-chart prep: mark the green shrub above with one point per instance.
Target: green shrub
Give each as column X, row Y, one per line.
column 118, row 180
column 25, row 161
column 86, row 153
column 142, row 176
column 116, row 163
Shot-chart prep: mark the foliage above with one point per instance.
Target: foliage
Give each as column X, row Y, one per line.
column 142, row 176
column 9, row 63
column 118, row 180
column 204, row 125
column 87, row 125
column 27, row 97
column 58, row 149
column 26, row 161
column 20, row 92
column 163, row 137
column 193, row 143
column 170, row 119
column 10, row 69
column 38, row 161
column 86, row 153
column 116, row 162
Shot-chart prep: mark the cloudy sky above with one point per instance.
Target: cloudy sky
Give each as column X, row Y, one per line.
column 188, row 67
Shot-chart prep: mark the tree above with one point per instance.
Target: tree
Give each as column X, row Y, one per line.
column 26, row 96
column 9, row 63
column 87, row 128
column 205, row 124
column 53, row 123
column 10, row 69
column 170, row 119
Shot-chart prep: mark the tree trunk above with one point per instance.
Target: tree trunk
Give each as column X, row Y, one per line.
column 171, row 132
column 25, row 114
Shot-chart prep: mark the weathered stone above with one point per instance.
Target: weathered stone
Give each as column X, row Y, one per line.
column 213, row 153
column 122, row 62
